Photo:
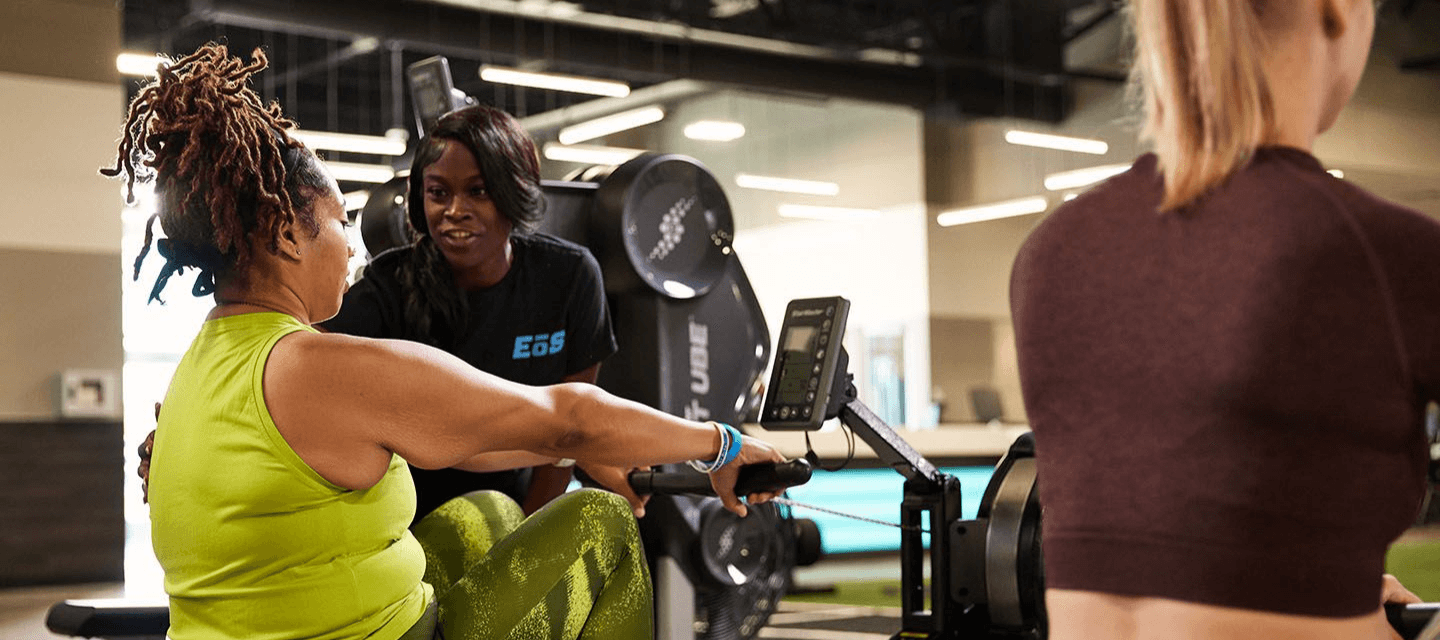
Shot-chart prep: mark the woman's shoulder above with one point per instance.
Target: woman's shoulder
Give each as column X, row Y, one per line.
column 545, row 244
column 1296, row 182
column 388, row 262
column 544, row 252
column 1109, row 207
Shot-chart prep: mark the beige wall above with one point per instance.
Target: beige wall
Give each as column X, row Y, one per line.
column 75, row 39
column 61, row 105
column 62, row 311
column 962, row 353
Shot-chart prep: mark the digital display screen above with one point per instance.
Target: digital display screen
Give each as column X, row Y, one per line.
column 801, row 339
column 797, row 364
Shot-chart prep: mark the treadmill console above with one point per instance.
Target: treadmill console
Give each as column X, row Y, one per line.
column 807, row 361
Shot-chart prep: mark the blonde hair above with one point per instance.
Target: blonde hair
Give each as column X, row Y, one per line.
column 1208, row 104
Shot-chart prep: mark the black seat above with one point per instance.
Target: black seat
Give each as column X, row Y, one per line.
column 129, row 619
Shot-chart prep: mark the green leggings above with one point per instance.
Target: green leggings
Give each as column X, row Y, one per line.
column 574, row 569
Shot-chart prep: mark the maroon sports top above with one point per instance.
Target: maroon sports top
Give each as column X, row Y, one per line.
column 1228, row 401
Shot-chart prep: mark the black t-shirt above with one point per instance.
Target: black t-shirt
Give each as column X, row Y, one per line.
column 545, row 320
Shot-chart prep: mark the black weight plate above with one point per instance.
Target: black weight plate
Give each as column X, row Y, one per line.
column 669, row 219
column 734, row 550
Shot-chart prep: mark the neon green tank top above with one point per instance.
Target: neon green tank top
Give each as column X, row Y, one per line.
column 253, row 542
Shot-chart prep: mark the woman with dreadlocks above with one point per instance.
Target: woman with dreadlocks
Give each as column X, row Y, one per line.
column 480, row 284
column 279, row 490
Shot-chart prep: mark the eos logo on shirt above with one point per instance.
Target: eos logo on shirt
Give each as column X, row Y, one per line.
column 543, row 344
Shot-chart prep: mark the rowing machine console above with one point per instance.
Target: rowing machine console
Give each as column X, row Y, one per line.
column 986, row 577
column 809, row 353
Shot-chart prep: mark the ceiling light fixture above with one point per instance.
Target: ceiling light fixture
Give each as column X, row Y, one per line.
column 589, row 153
column 714, row 131
column 787, row 185
column 355, row 200
column 391, row 144
column 829, row 214
column 1083, row 177
column 554, row 81
column 356, row 172
column 139, row 64
column 611, row 124
column 1060, row 143
column 1007, row 209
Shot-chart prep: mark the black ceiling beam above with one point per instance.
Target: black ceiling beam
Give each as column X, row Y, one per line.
column 1421, row 63
column 953, row 84
column 1073, row 32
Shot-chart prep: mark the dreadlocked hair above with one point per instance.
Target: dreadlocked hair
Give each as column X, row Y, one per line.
column 223, row 163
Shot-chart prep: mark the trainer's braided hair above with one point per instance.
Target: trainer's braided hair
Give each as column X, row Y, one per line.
column 224, row 165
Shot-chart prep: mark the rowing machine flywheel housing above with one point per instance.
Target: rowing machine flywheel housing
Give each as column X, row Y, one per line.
column 998, row 573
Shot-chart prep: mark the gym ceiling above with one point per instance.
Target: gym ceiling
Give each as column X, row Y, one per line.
column 338, row 65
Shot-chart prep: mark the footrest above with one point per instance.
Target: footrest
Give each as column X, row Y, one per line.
column 110, row 618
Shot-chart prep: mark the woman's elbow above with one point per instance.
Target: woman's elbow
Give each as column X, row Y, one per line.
column 577, row 410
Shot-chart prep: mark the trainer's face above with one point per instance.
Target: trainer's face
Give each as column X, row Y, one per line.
column 471, row 232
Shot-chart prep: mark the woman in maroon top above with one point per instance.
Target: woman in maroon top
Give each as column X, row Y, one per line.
column 1226, row 352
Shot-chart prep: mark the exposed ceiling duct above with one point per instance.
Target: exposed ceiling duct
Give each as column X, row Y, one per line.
column 981, row 57
column 338, row 64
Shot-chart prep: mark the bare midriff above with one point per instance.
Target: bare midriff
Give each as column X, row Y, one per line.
column 1087, row 615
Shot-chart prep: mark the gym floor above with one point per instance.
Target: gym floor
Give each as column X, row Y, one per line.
column 844, row 599
column 820, row 616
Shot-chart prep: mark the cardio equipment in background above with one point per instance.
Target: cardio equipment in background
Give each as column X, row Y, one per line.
column 986, row 578
column 694, row 343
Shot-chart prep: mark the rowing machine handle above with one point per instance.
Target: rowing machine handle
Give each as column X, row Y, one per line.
column 1410, row 619
column 754, row 478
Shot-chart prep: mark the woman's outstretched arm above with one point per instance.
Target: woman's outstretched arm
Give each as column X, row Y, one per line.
column 344, row 404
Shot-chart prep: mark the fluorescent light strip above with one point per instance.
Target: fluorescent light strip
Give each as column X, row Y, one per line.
column 554, row 81
column 590, row 154
column 1007, row 209
column 139, row 64
column 355, row 172
column 611, row 124
column 356, row 200
column 387, row 145
column 1083, row 177
column 831, row 214
column 787, row 185
column 714, row 131
column 1061, row 143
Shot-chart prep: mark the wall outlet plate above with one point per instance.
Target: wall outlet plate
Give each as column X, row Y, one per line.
column 89, row 393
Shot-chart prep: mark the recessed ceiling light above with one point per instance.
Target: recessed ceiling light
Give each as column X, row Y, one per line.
column 589, row 153
column 611, row 124
column 554, row 81
column 1083, row 177
column 981, row 213
column 787, row 185
column 1061, row 143
column 714, row 131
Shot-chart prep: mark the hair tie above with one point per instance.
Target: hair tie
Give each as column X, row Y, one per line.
column 178, row 256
